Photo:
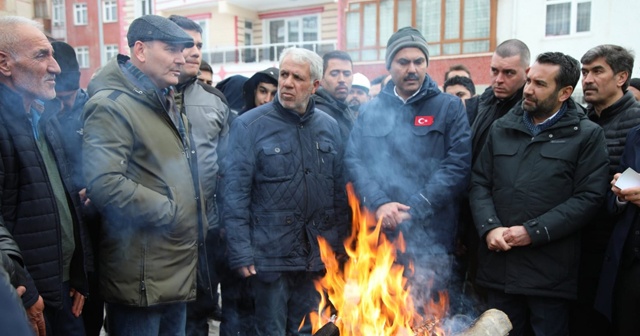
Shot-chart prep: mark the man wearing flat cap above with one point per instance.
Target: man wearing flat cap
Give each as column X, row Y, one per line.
column 141, row 173
column 409, row 157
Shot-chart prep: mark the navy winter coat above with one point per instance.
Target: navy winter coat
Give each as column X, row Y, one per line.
column 417, row 153
column 283, row 188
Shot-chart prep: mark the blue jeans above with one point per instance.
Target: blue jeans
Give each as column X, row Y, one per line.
column 166, row 319
column 61, row 321
column 283, row 300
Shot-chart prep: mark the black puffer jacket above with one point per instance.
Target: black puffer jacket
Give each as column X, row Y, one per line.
column 617, row 120
column 552, row 184
column 29, row 208
column 282, row 188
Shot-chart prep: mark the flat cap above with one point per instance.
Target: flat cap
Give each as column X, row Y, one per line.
column 157, row 28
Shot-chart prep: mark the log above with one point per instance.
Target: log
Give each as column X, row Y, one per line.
column 328, row 329
column 492, row 322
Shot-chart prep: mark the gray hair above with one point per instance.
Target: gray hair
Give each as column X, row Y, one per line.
column 301, row 55
column 9, row 40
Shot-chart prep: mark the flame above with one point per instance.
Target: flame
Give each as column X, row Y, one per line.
column 370, row 293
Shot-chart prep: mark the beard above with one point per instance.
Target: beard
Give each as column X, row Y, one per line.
column 541, row 109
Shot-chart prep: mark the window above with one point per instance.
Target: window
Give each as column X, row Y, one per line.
column 248, row 33
column 110, row 51
column 58, row 13
column 82, row 54
column 451, row 27
column 568, row 17
column 291, row 30
column 143, row 7
column 110, row 11
column 80, row 14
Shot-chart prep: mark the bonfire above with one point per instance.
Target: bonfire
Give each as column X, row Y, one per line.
column 370, row 291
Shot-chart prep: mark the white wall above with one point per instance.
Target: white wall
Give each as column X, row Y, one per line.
column 612, row 22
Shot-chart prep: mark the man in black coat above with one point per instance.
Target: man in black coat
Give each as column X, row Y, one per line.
column 331, row 96
column 538, row 180
column 40, row 202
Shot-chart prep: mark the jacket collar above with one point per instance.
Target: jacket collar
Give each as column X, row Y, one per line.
column 572, row 117
column 292, row 115
column 429, row 88
column 625, row 102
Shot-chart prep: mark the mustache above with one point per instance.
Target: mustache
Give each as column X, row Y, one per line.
column 342, row 86
column 589, row 87
column 412, row 76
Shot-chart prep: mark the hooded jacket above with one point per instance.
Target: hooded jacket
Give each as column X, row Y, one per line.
column 142, row 178
column 417, row 153
column 340, row 111
column 283, row 189
column 552, row 184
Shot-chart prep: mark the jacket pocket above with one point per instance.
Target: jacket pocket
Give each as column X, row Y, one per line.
column 326, row 154
column 559, row 150
column 275, row 162
column 276, row 235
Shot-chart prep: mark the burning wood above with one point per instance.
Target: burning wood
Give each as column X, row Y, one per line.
column 371, row 294
column 493, row 322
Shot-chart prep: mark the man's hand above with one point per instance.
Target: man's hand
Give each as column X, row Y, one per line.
column 21, row 290
column 78, row 302
column 393, row 213
column 625, row 195
column 517, row 236
column 36, row 317
column 83, row 197
column 247, row 271
column 495, row 240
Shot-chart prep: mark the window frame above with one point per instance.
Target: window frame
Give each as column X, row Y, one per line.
column 83, row 57
column 380, row 46
column 573, row 17
column 143, row 7
column 80, row 12
column 58, row 13
column 109, row 8
column 300, row 21
column 111, row 49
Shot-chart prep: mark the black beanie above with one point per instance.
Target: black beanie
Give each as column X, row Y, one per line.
column 69, row 77
column 407, row 37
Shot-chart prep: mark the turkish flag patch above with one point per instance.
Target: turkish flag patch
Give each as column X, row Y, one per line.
column 423, row 121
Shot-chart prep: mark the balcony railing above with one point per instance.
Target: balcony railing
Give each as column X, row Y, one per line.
column 263, row 52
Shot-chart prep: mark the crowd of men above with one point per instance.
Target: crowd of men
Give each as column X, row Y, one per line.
column 141, row 195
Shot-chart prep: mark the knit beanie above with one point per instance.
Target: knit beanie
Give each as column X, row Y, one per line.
column 407, row 37
column 69, row 77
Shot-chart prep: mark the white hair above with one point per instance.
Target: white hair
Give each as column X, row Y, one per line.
column 302, row 55
column 9, row 40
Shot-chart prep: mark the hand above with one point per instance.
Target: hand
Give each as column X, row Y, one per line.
column 628, row 195
column 21, row 290
column 391, row 214
column 36, row 317
column 247, row 271
column 517, row 236
column 78, row 302
column 495, row 240
column 83, row 197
